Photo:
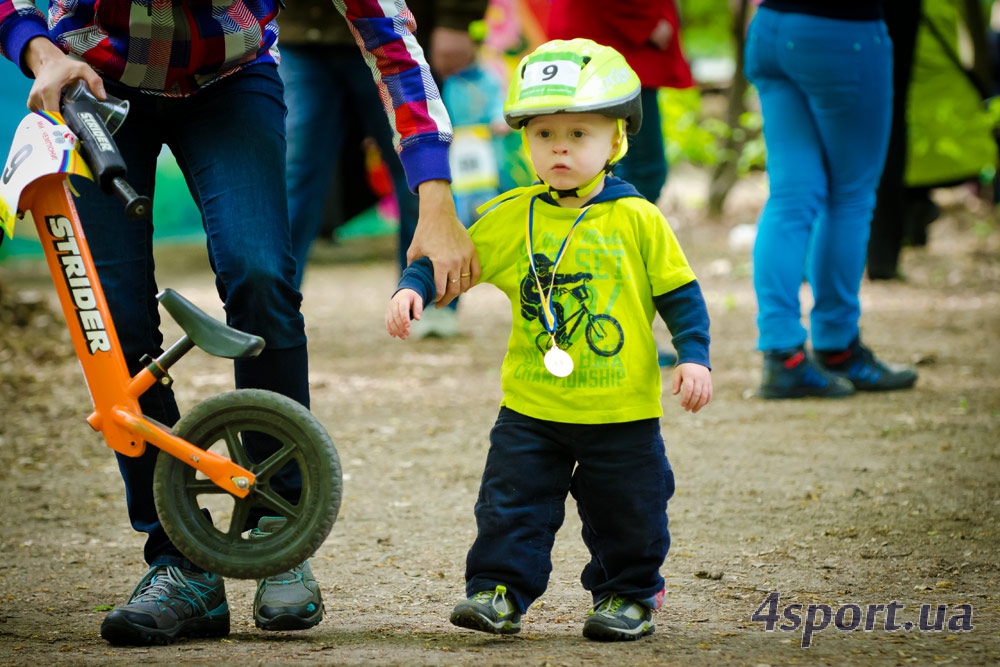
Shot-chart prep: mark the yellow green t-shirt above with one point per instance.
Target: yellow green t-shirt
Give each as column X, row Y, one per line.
column 621, row 254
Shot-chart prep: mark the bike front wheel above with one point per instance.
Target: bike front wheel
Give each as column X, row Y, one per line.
column 298, row 478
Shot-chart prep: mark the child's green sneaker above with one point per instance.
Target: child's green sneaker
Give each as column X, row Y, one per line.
column 488, row 611
column 616, row 619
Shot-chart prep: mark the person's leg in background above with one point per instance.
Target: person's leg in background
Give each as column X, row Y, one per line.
column 844, row 69
column 316, row 96
column 368, row 105
column 798, row 197
column 921, row 211
column 888, row 224
column 645, row 164
column 853, row 116
column 409, row 204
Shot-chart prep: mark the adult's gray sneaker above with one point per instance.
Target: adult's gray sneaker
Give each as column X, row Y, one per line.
column 167, row 604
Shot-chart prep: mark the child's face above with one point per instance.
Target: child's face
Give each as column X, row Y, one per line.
column 569, row 149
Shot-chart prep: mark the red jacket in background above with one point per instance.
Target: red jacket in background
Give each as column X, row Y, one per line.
column 625, row 25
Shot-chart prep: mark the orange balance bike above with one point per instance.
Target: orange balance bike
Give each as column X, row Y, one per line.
column 207, row 488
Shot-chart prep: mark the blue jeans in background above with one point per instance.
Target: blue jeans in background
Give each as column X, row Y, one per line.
column 325, row 85
column 621, row 480
column 229, row 141
column 825, row 90
column 645, row 164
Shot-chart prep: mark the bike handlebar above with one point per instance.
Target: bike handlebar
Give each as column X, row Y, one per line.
column 101, row 154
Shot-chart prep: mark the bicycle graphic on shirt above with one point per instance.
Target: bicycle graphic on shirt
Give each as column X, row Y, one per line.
column 602, row 332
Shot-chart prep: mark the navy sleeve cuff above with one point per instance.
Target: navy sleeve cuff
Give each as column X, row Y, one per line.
column 419, row 277
column 686, row 316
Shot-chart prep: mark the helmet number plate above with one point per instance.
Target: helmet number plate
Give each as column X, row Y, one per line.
column 550, row 77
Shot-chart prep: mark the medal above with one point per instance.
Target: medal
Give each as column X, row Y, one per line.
column 558, row 362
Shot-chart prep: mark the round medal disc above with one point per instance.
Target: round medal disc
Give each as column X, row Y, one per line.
column 558, row 362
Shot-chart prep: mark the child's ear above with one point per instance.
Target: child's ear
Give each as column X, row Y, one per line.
column 616, row 145
column 619, row 145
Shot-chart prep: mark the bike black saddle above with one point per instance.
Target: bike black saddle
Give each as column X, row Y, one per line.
column 208, row 333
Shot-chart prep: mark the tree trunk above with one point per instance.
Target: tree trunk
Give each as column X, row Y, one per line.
column 724, row 175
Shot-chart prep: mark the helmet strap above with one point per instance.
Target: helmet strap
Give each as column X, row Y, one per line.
column 581, row 190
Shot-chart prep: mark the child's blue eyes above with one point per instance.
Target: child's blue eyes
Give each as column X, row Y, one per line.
column 545, row 134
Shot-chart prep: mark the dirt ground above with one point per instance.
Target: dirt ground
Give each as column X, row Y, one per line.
column 862, row 501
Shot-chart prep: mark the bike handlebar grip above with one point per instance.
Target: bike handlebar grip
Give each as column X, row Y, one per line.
column 136, row 206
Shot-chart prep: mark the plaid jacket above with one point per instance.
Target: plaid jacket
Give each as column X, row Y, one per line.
column 174, row 48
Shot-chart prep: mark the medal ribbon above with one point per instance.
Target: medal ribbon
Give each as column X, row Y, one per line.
column 548, row 315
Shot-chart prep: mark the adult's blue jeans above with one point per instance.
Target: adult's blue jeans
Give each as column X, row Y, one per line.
column 645, row 164
column 229, row 141
column 325, row 85
column 825, row 89
column 621, row 480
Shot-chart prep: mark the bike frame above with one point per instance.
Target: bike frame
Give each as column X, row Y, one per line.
column 577, row 317
column 48, row 201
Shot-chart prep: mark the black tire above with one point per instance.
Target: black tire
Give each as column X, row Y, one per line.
column 604, row 335
column 179, row 489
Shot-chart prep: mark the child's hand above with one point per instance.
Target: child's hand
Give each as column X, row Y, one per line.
column 397, row 313
column 694, row 383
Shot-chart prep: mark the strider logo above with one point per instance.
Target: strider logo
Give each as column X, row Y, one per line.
column 100, row 136
column 78, row 282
